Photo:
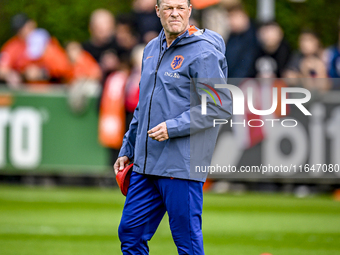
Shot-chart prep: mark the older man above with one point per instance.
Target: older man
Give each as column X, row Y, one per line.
column 158, row 140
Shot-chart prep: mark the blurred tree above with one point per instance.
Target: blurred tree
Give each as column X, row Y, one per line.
column 68, row 19
column 64, row 19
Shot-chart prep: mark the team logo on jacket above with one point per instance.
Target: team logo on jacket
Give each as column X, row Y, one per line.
column 177, row 62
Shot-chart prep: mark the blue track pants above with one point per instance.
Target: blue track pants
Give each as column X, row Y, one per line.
column 148, row 198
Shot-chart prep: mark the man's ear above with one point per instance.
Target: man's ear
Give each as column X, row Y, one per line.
column 190, row 9
column 157, row 10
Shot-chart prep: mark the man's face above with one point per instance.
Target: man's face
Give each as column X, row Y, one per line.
column 271, row 35
column 238, row 21
column 102, row 27
column 174, row 15
column 309, row 44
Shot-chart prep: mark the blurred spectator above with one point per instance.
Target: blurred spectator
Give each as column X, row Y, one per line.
column 32, row 55
column 102, row 28
column 84, row 66
column 275, row 51
column 308, row 63
column 126, row 37
column 309, row 46
column 102, row 45
column 147, row 23
column 242, row 45
column 109, row 63
column 132, row 84
column 333, row 61
column 214, row 18
column 112, row 113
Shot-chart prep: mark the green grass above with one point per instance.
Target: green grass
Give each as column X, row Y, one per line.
column 71, row 221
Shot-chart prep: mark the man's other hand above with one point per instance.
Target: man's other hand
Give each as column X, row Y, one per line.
column 120, row 163
column 159, row 132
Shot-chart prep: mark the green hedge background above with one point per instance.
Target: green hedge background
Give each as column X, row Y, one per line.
column 64, row 19
column 68, row 19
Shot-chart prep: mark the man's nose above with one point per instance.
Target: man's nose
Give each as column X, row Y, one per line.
column 174, row 12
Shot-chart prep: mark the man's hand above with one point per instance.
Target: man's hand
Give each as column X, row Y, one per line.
column 120, row 164
column 159, row 132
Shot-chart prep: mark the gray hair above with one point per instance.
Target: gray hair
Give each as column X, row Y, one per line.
column 159, row 2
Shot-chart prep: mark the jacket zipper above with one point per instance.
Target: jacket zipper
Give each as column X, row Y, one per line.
column 153, row 90
column 154, row 86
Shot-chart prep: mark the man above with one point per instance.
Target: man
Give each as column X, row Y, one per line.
column 146, row 20
column 158, row 140
column 102, row 30
column 275, row 51
column 111, row 42
column 242, row 45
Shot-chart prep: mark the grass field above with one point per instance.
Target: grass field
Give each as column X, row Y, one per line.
column 71, row 221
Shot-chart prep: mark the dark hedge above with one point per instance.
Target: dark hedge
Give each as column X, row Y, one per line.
column 64, row 19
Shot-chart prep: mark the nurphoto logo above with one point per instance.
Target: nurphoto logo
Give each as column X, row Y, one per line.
column 239, row 103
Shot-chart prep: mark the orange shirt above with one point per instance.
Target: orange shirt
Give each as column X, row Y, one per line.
column 13, row 54
column 86, row 67
column 54, row 60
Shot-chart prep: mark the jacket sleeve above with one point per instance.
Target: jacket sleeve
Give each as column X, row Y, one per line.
column 129, row 140
column 210, row 68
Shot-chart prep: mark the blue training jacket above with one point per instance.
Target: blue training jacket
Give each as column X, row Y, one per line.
column 167, row 94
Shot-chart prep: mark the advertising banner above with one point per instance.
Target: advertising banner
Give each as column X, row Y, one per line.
column 40, row 133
